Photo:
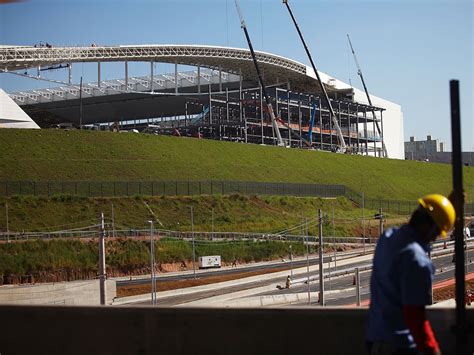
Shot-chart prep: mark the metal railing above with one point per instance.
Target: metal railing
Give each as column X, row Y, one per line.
column 162, row 233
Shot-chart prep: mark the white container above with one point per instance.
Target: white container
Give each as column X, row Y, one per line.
column 213, row 261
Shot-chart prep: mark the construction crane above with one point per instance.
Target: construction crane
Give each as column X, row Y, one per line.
column 260, row 79
column 359, row 72
column 326, row 97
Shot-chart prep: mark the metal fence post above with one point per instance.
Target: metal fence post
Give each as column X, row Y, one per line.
column 357, row 284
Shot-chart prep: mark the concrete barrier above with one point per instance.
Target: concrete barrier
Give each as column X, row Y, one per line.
column 147, row 330
column 70, row 293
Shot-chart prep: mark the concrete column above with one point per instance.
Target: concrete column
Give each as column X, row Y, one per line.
column 365, row 133
column 152, row 76
column 320, row 123
column 199, row 79
column 381, row 132
column 69, row 67
column 126, row 75
column 375, row 143
column 220, row 79
column 175, row 77
column 98, row 74
column 288, row 114
column 240, row 102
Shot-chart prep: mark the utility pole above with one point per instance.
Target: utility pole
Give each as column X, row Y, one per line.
column 334, row 238
column 8, row 228
column 291, row 262
column 212, row 222
column 456, row 158
column 113, row 222
column 152, row 265
column 363, row 220
column 305, row 232
column 102, row 275
column 194, row 250
column 80, row 105
column 321, row 264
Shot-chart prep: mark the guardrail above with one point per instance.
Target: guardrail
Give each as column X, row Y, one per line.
column 178, row 235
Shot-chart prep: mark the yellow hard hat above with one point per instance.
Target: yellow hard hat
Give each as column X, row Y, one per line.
column 441, row 210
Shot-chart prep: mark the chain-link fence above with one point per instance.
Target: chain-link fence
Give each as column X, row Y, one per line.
column 211, row 187
column 165, row 188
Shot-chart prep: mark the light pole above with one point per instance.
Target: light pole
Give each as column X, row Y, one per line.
column 152, row 262
column 307, row 258
column 212, row 222
column 291, row 262
column 363, row 221
column 8, row 228
column 194, row 250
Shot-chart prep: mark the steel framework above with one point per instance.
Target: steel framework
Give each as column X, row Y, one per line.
column 241, row 116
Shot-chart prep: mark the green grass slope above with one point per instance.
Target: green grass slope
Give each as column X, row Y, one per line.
column 55, row 155
column 239, row 213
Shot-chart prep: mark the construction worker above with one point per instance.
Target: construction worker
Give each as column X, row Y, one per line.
column 288, row 281
column 401, row 283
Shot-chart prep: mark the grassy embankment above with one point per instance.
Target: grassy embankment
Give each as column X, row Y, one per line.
column 54, row 155
column 51, row 155
column 61, row 260
column 238, row 213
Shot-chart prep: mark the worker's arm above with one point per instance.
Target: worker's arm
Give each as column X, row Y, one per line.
column 420, row 328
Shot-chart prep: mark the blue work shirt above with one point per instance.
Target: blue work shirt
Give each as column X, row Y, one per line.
column 402, row 274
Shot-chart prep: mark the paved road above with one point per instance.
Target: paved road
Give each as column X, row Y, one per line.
column 348, row 297
column 238, row 270
column 340, row 283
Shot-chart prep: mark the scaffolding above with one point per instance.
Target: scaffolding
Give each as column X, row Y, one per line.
column 240, row 116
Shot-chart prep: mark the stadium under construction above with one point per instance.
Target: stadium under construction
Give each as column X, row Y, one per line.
column 218, row 97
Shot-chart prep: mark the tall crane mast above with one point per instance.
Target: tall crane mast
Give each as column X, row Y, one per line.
column 359, row 72
column 260, row 79
column 326, row 97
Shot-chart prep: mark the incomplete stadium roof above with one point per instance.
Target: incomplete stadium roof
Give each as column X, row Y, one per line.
column 231, row 60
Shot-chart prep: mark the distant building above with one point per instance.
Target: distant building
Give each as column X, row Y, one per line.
column 433, row 150
column 422, row 149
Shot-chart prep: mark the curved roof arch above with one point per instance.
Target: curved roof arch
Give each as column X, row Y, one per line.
column 233, row 60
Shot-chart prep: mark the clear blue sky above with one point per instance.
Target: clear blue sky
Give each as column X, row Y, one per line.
column 408, row 49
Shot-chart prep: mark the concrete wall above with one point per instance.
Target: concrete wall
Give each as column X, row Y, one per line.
column 69, row 293
column 11, row 115
column 146, row 330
